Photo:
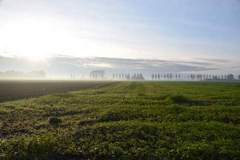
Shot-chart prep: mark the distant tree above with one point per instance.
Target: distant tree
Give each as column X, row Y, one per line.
column 141, row 77
column 207, row 76
column 211, row 77
column 137, row 76
column 170, row 76
column 128, row 76
column 191, row 76
column 214, row 77
column 179, row 76
column 230, row 77
column 204, row 76
column 225, row 77
column 222, row 77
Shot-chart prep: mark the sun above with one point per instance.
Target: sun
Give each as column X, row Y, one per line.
column 39, row 38
column 32, row 39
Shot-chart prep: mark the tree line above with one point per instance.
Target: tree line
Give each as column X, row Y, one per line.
column 193, row 77
column 128, row 76
column 174, row 76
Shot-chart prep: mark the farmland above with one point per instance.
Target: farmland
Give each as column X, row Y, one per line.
column 125, row 120
column 18, row 89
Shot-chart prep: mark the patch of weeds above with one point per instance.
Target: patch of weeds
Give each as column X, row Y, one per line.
column 177, row 99
column 183, row 100
column 87, row 122
column 54, row 121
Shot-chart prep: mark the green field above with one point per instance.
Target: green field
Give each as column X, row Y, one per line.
column 125, row 120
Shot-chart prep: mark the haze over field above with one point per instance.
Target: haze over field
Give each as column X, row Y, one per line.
column 63, row 66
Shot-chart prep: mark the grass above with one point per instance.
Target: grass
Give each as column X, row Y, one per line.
column 125, row 120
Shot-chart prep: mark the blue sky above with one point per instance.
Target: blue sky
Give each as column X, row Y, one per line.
column 152, row 29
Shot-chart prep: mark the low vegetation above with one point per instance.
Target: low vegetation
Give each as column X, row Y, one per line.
column 125, row 120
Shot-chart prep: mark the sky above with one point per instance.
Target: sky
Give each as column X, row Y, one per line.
column 137, row 29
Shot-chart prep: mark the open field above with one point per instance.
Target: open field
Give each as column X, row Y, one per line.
column 18, row 89
column 125, row 120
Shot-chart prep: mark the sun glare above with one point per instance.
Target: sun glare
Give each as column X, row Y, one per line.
column 33, row 39
column 38, row 39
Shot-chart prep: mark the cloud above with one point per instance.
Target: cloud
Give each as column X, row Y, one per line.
column 126, row 65
column 65, row 65
column 214, row 60
column 19, row 64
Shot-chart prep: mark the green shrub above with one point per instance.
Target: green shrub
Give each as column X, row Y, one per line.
column 54, row 121
column 177, row 99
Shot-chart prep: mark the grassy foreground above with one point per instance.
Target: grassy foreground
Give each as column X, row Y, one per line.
column 126, row 120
